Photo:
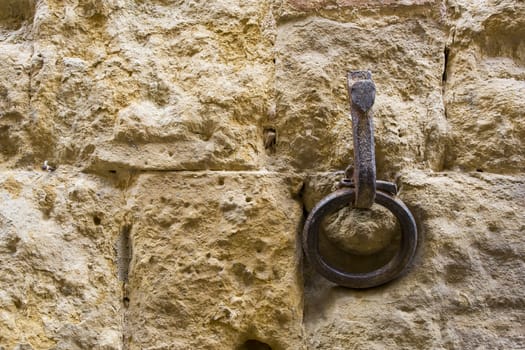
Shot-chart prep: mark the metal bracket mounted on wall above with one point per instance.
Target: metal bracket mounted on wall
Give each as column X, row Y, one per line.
column 360, row 189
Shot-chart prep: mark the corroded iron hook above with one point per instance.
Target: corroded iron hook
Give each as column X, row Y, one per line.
column 362, row 93
column 362, row 191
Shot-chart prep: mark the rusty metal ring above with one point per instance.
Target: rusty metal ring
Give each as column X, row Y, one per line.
column 393, row 269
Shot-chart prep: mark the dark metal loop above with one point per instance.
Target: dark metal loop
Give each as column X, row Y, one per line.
column 393, row 269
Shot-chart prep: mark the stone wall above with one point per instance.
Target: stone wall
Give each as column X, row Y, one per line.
column 189, row 139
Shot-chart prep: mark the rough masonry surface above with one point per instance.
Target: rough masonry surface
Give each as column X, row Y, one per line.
column 190, row 139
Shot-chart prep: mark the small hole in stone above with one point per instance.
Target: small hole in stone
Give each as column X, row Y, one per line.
column 259, row 245
column 270, row 138
column 208, row 255
column 479, row 170
column 221, row 181
column 17, row 302
column 113, row 171
column 170, row 153
column 252, row 344
column 125, row 301
column 249, row 199
column 96, row 220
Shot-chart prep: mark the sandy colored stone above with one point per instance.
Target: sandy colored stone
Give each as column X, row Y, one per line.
column 12, row 186
column 58, row 282
column 14, row 100
column 192, row 138
column 215, row 262
column 406, row 59
column 342, row 9
column 361, row 232
column 485, row 81
column 463, row 290
column 143, row 85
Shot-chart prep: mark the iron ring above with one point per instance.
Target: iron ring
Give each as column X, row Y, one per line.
column 393, row 269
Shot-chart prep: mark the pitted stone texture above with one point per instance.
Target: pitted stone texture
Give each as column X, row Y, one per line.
column 58, row 283
column 484, row 87
column 406, row 59
column 361, row 232
column 461, row 293
column 215, row 262
column 15, row 62
column 152, row 84
column 120, row 87
column 71, row 101
column 344, row 10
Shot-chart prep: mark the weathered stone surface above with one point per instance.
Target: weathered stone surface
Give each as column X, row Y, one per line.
column 58, row 282
column 14, row 99
column 351, row 9
column 144, row 85
column 406, row 59
column 215, row 262
column 463, row 291
column 183, row 132
column 484, row 87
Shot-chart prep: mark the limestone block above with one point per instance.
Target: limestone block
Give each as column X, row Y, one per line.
column 15, row 85
column 161, row 227
column 404, row 53
column 199, row 75
column 463, row 290
column 74, row 99
column 58, row 282
column 14, row 99
column 485, row 81
column 216, row 263
column 351, row 8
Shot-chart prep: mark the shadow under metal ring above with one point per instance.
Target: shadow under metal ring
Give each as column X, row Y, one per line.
column 393, row 269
